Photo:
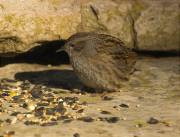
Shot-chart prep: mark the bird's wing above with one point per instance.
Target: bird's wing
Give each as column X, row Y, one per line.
column 112, row 59
column 113, row 49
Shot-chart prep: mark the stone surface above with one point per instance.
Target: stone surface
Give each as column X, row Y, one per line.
column 110, row 18
column 158, row 28
column 24, row 23
column 142, row 25
column 153, row 91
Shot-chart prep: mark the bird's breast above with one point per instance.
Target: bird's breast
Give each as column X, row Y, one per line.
column 84, row 72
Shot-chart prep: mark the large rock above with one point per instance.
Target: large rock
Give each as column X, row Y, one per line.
column 158, row 28
column 142, row 25
column 25, row 22
column 110, row 18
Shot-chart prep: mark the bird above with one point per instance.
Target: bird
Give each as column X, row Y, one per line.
column 100, row 61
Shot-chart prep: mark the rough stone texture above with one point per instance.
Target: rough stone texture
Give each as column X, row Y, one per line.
column 155, row 89
column 110, row 18
column 142, row 25
column 158, row 28
column 24, row 23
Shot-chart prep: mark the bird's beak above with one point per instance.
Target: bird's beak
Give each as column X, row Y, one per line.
column 61, row 49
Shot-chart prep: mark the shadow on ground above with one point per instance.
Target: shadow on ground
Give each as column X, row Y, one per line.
column 64, row 79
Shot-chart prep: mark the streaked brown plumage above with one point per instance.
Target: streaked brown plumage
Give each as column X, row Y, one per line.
column 100, row 61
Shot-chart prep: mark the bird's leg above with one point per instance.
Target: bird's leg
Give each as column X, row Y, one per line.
column 100, row 95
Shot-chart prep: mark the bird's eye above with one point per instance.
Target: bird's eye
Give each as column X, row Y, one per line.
column 72, row 45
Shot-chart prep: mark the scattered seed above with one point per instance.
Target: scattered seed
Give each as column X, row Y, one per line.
column 124, row 119
column 118, row 109
column 153, row 121
column 86, row 119
column 97, row 108
column 73, row 129
column 67, row 120
column 105, row 112
column 15, row 113
column 106, row 98
column 49, row 124
column 124, row 105
column 113, row 119
column 76, row 135
column 80, row 111
column 167, row 123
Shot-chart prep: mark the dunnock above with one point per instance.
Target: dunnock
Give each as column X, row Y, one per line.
column 100, row 61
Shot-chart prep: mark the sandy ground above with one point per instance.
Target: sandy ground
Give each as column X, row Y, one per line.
column 153, row 91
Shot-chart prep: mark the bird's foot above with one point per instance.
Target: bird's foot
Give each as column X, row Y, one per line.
column 100, row 95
